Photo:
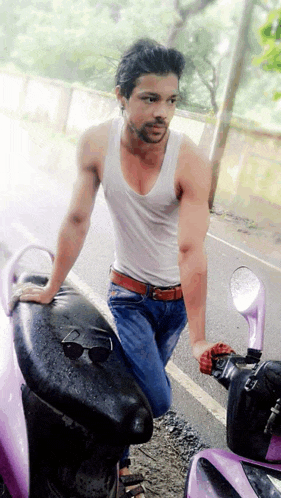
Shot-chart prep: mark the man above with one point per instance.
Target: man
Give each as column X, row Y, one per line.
column 156, row 183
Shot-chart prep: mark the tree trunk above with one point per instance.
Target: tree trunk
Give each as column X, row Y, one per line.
column 184, row 13
column 225, row 112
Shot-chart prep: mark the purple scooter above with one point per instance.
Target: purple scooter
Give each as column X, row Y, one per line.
column 253, row 413
column 68, row 404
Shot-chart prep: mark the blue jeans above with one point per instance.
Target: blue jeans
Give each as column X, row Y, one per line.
column 149, row 331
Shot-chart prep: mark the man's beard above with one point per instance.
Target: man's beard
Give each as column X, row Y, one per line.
column 143, row 132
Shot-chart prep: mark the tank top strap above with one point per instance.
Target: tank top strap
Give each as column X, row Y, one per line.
column 173, row 148
column 112, row 157
column 169, row 165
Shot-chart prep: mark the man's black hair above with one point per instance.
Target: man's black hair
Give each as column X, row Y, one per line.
column 144, row 57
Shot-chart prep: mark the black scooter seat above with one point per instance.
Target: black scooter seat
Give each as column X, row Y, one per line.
column 102, row 397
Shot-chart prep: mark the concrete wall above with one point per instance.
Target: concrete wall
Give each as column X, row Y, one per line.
column 250, row 174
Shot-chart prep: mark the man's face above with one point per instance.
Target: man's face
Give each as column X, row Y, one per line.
column 151, row 106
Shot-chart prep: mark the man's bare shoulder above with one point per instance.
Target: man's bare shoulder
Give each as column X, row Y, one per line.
column 98, row 133
column 93, row 146
column 192, row 153
column 193, row 169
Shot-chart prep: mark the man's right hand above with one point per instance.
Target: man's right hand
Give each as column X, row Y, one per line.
column 36, row 293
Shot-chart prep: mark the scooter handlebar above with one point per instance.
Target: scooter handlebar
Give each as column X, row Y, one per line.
column 8, row 275
column 226, row 367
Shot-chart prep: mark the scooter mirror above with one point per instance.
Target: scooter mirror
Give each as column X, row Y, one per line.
column 8, row 275
column 248, row 295
column 245, row 287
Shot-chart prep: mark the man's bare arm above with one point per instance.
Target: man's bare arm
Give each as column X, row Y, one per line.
column 193, row 183
column 193, row 272
column 74, row 227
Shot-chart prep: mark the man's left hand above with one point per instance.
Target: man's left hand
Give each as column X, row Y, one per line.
column 199, row 347
column 210, row 352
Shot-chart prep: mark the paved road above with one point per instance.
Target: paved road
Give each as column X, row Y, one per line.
column 33, row 204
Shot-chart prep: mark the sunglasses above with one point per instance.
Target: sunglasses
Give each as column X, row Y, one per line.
column 98, row 352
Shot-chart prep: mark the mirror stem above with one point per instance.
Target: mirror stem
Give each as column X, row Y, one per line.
column 253, row 355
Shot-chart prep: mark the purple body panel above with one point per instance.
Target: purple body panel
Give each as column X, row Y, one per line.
column 229, row 465
column 274, row 449
column 14, row 465
column 14, row 460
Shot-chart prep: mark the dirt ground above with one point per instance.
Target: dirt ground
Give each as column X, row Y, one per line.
column 263, row 235
column 164, row 460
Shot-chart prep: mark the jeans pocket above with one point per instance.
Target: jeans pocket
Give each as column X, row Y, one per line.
column 120, row 295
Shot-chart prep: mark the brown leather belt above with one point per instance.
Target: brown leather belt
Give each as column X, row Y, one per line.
column 169, row 294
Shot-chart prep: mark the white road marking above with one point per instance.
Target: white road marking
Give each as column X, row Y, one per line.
column 245, row 252
column 197, row 392
column 178, row 375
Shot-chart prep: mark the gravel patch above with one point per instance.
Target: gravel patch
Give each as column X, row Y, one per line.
column 164, row 460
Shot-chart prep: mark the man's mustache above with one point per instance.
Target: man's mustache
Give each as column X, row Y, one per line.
column 158, row 122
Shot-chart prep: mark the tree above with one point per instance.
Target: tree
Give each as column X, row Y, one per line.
column 203, row 48
column 270, row 40
column 83, row 40
column 62, row 42
column 9, row 30
column 184, row 12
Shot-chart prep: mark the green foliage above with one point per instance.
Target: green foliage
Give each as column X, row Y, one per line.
column 276, row 96
column 270, row 40
column 81, row 41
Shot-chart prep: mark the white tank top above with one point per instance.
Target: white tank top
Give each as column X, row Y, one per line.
column 145, row 226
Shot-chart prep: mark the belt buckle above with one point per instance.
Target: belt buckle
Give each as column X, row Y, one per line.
column 153, row 293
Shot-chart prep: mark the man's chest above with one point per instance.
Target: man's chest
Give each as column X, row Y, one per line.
column 141, row 174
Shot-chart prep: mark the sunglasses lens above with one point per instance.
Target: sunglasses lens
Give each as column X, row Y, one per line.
column 99, row 354
column 72, row 350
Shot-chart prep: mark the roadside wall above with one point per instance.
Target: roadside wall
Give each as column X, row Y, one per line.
column 250, row 175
